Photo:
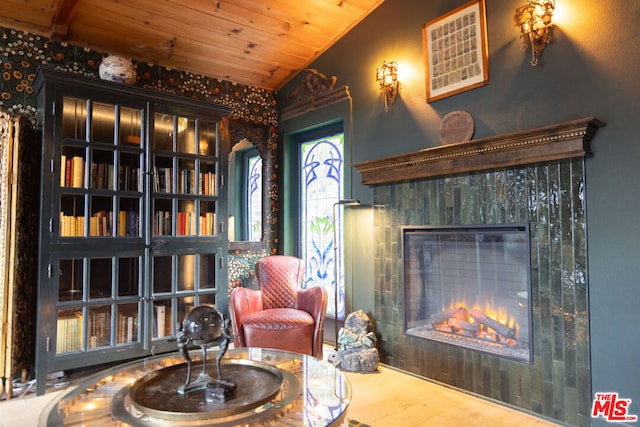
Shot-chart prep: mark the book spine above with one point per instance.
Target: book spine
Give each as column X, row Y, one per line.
column 78, row 172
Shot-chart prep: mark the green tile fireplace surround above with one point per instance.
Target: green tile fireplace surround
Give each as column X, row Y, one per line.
column 550, row 196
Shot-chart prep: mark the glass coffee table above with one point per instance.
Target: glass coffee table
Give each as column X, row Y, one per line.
column 312, row 393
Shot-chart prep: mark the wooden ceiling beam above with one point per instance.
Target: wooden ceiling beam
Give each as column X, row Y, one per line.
column 62, row 18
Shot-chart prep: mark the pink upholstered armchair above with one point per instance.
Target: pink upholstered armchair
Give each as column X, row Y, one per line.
column 280, row 314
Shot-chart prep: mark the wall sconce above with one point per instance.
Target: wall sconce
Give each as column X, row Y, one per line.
column 534, row 21
column 387, row 78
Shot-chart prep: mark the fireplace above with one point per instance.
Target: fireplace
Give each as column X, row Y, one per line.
column 469, row 286
column 535, row 177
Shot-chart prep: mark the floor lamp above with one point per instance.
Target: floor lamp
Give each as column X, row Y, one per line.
column 345, row 202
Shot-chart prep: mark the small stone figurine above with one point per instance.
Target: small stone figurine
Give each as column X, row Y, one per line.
column 205, row 326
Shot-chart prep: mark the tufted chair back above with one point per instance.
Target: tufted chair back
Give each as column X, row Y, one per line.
column 279, row 277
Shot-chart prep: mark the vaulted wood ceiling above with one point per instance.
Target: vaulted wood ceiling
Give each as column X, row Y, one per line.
column 262, row 43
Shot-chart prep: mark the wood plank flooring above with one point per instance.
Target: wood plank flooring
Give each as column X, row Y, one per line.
column 392, row 398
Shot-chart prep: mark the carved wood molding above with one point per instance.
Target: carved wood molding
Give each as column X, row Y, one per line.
column 315, row 90
column 313, row 103
column 255, row 134
column 555, row 142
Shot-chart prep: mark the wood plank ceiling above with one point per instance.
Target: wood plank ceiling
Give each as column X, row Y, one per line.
column 261, row 43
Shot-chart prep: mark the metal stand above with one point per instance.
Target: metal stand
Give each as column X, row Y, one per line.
column 203, row 378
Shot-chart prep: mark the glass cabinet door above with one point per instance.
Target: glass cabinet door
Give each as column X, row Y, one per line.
column 101, row 161
column 180, row 283
column 185, row 166
column 100, row 196
column 99, row 303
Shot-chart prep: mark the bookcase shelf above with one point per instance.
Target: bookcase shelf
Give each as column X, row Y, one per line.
column 131, row 233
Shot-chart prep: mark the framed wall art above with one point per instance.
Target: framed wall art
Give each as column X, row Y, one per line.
column 455, row 51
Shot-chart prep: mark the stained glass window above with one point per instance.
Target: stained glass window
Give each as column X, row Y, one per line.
column 321, row 186
column 254, row 198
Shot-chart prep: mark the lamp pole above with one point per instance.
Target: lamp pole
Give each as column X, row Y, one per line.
column 344, row 202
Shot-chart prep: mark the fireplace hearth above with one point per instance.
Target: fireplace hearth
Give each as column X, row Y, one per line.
column 469, row 286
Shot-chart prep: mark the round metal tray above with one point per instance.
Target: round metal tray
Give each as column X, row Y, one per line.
column 156, row 394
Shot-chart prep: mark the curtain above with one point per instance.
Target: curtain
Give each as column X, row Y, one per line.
column 19, row 211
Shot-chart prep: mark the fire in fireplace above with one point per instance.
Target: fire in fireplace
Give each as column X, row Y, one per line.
column 469, row 286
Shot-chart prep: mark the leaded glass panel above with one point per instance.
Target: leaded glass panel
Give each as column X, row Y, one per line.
column 321, row 188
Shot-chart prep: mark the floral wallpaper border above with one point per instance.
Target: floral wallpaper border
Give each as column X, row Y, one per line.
column 22, row 53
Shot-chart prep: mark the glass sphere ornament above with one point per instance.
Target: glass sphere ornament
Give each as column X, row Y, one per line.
column 203, row 325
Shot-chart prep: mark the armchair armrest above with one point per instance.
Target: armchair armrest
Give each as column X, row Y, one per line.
column 242, row 303
column 314, row 301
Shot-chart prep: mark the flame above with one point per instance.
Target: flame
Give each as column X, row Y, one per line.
column 498, row 313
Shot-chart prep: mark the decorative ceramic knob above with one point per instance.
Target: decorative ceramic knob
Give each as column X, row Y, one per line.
column 117, row 69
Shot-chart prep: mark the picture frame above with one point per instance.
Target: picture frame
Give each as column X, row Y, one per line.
column 456, row 51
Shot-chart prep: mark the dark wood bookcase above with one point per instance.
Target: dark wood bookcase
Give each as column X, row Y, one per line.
column 132, row 221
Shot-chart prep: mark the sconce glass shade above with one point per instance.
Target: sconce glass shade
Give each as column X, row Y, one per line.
column 534, row 21
column 387, row 78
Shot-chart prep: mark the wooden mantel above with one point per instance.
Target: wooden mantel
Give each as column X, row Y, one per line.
column 555, row 142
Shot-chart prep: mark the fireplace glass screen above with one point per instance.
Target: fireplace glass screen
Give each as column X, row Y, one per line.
column 469, row 286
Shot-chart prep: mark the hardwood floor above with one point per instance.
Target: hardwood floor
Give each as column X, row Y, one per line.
column 387, row 397
column 391, row 398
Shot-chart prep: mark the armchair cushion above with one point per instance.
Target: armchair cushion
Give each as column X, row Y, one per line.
column 281, row 328
column 278, row 319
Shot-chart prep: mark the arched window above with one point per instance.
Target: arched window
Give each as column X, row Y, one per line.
column 253, row 196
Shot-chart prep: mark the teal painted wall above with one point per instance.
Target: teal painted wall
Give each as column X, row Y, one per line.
column 590, row 68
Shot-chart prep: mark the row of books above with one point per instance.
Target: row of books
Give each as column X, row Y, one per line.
column 72, row 171
column 101, row 224
column 186, row 182
column 102, row 177
column 208, row 184
column 128, row 178
column 162, row 223
column 72, row 175
column 208, row 224
column 162, row 180
column 69, row 333
column 186, row 225
column 69, row 330
column 99, row 329
column 127, row 329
